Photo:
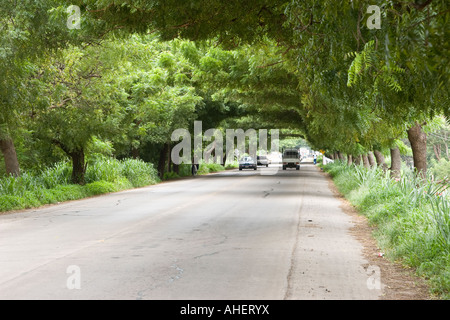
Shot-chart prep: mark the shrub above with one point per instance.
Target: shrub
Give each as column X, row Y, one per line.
column 70, row 192
column 440, row 170
column 103, row 169
column 8, row 202
column 58, row 174
column 139, row 173
column 215, row 167
column 232, row 165
column 100, row 187
column 170, row 175
column 204, row 169
column 124, row 184
column 185, row 170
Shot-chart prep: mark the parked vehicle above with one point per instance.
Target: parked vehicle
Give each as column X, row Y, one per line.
column 291, row 159
column 262, row 161
column 247, row 163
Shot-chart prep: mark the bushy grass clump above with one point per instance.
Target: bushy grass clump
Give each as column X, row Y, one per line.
column 171, row 175
column 441, row 169
column 232, row 165
column 412, row 217
column 185, row 170
column 136, row 173
column 53, row 184
column 206, row 168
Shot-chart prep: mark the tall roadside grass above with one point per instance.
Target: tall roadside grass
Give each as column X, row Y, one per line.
column 206, row 168
column 53, row 184
column 412, row 218
column 185, row 170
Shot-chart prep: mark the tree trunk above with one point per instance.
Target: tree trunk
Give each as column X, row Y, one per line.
column 169, row 159
column 135, row 153
column 349, row 159
column 446, row 150
column 371, row 159
column 418, row 140
column 396, row 163
column 162, row 160
column 380, row 159
column 78, row 162
column 78, row 166
column 9, row 152
column 446, row 145
column 437, row 151
column 365, row 161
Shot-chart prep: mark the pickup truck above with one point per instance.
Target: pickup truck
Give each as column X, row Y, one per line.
column 291, row 159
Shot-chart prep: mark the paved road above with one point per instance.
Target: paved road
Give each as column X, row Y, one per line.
column 233, row 235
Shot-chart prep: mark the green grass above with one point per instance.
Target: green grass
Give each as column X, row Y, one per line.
column 440, row 169
column 185, row 170
column 412, row 218
column 103, row 175
column 52, row 185
column 232, row 165
column 206, row 168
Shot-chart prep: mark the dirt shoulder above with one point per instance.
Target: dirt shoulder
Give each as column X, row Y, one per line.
column 399, row 283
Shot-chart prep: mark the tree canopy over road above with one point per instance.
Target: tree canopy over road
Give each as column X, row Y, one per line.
column 136, row 70
column 91, row 92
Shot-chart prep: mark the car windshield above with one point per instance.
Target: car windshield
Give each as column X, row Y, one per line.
column 247, row 159
column 290, row 154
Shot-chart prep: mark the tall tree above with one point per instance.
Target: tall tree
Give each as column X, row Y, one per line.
column 28, row 31
column 75, row 104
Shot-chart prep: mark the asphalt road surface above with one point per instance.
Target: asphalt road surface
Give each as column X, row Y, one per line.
column 265, row 234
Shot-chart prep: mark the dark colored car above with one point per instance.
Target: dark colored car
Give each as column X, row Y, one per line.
column 247, row 163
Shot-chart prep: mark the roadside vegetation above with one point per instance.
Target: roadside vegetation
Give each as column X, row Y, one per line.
column 92, row 110
column 412, row 217
column 185, row 170
column 53, row 184
column 103, row 175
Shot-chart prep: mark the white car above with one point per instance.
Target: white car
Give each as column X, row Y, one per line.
column 262, row 161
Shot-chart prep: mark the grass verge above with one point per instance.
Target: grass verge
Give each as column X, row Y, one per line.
column 412, row 218
column 52, row 185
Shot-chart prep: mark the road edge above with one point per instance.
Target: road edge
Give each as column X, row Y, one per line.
column 399, row 282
